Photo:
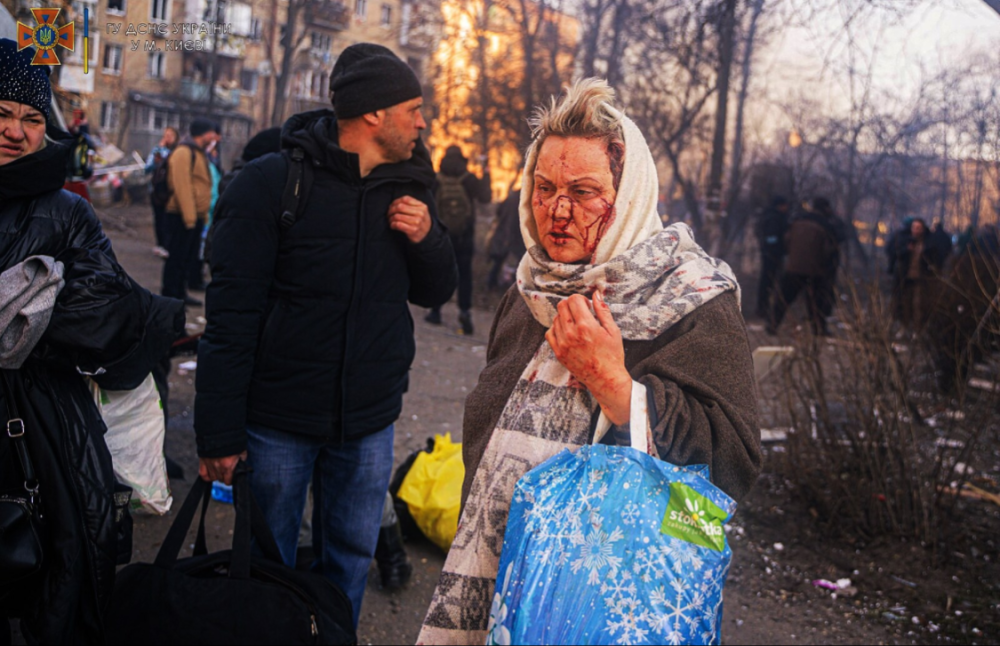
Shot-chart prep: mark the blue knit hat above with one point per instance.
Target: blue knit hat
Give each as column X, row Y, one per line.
column 22, row 82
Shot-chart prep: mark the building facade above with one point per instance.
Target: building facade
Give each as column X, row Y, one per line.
column 159, row 63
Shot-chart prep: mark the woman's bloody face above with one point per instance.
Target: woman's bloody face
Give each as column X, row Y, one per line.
column 574, row 197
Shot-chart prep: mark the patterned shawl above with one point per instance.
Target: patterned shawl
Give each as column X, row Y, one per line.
column 651, row 278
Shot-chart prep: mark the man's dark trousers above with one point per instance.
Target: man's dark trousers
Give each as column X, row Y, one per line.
column 195, row 274
column 791, row 286
column 464, row 250
column 770, row 267
column 160, row 223
column 182, row 243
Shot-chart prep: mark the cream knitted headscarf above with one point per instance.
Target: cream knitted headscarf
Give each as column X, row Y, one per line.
column 650, row 276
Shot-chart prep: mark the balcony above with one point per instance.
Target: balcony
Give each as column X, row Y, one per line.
column 198, row 93
column 331, row 14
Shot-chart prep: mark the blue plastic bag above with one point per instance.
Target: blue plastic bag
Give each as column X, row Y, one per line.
column 610, row 545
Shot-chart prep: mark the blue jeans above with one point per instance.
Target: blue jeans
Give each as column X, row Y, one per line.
column 349, row 485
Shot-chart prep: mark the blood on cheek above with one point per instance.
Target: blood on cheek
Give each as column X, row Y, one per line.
column 593, row 232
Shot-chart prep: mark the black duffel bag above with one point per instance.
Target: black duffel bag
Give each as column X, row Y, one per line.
column 230, row 597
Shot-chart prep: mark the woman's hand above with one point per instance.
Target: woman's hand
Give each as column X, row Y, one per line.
column 591, row 349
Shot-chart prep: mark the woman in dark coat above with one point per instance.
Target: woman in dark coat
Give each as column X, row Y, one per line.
column 101, row 324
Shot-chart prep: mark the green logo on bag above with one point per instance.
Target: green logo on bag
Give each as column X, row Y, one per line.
column 694, row 518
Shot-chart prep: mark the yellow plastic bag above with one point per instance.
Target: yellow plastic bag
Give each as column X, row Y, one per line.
column 433, row 491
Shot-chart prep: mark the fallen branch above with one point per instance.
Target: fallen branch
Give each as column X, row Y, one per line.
column 972, row 492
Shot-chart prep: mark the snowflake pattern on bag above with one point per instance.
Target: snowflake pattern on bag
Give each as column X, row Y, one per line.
column 586, row 558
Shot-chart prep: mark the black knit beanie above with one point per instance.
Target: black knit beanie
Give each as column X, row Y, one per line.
column 262, row 143
column 201, row 126
column 371, row 80
column 22, row 82
column 355, row 53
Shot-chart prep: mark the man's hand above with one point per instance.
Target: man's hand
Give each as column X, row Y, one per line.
column 221, row 469
column 411, row 217
column 591, row 349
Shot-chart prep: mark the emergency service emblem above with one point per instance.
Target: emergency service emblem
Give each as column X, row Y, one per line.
column 45, row 37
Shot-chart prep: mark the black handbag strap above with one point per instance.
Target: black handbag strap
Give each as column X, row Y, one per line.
column 200, row 492
column 250, row 522
column 15, row 431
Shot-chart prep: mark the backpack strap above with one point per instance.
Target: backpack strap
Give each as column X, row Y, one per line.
column 297, row 186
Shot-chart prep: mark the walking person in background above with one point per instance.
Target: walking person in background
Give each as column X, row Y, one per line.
column 506, row 240
column 812, row 247
column 844, row 234
column 916, row 264
column 190, row 180
column 941, row 240
column 159, row 189
column 196, row 270
column 771, row 234
column 309, row 339
column 80, row 168
column 458, row 190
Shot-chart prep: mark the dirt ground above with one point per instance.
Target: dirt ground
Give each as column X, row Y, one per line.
column 778, row 552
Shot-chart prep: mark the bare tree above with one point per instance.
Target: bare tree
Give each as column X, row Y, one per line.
column 669, row 80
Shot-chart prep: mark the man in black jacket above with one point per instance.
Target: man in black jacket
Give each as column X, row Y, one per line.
column 309, row 339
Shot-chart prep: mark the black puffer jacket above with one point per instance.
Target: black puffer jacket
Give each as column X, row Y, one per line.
column 308, row 329
column 102, row 323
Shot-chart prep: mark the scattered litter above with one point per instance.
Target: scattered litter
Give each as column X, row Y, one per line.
column 891, row 616
column 963, row 469
column 842, row 587
column 778, row 547
column 477, row 349
column 909, row 584
column 942, row 443
column 953, row 415
column 900, row 348
column 187, row 366
column 774, row 434
column 899, row 610
column 916, row 621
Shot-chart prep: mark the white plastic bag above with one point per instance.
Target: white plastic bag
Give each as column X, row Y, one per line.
column 135, row 438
